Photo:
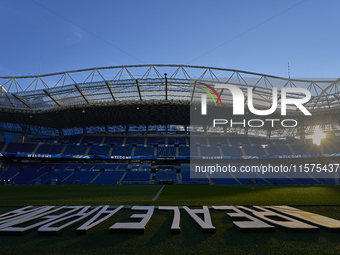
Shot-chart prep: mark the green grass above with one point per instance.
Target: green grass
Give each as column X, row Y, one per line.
column 171, row 195
column 245, row 195
column 76, row 195
column 157, row 238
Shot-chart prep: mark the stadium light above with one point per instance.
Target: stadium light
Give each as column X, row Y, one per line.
column 318, row 136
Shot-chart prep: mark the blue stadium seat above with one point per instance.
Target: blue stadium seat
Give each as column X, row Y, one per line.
column 284, row 150
column 255, row 150
column 73, row 149
column 121, row 150
column 193, row 151
column 135, row 140
column 99, row 150
column 160, row 141
column 144, row 151
column 186, row 177
column 184, row 151
column 118, row 140
column 29, row 173
column 21, row 147
column 81, row 177
column 72, row 139
column 56, row 149
column 181, row 141
column 198, row 140
column 238, row 140
column 166, row 151
column 210, row 151
column 92, row 139
column 108, row 178
column 273, row 150
column 214, row 141
column 225, row 181
column 43, row 149
column 233, row 151
column 166, row 175
column 136, row 176
column 122, row 167
column 259, row 140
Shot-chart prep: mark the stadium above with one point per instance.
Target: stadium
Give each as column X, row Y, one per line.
column 138, row 133
column 136, row 126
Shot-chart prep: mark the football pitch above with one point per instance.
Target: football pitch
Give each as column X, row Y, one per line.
column 190, row 195
column 157, row 238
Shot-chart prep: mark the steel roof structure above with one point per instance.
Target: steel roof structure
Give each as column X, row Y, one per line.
column 144, row 95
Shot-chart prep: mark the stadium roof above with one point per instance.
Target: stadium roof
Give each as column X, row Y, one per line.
column 142, row 95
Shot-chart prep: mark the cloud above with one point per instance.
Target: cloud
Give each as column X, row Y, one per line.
column 75, row 36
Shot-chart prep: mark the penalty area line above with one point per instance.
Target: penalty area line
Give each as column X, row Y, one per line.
column 157, row 195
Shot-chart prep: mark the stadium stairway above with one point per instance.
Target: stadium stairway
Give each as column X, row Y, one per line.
column 5, row 167
column 36, row 148
column 152, row 178
column 75, row 181
column 87, row 150
column 63, row 150
column 243, row 151
column 264, row 179
column 26, row 174
column 220, row 150
column 4, row 148
column 291, row 149
column 313, row 177
column 38, row 176
column 228, row 141
column 110, row 151
column 309, row 180
column 108, row 178
column 14, row 175
column 103, row 140
column 236, row 178
column 67, row 176
column 336, row 174
column 122, row 178
column 94, row 178
column 208, row 177
column 179, row 178
column 266, row 151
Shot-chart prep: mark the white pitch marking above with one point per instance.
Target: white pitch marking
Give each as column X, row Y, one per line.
column 157, row 195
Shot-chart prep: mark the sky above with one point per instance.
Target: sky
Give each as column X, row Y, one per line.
column 250, row 35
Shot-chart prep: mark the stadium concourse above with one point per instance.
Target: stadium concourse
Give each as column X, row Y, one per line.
column 132, row 125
